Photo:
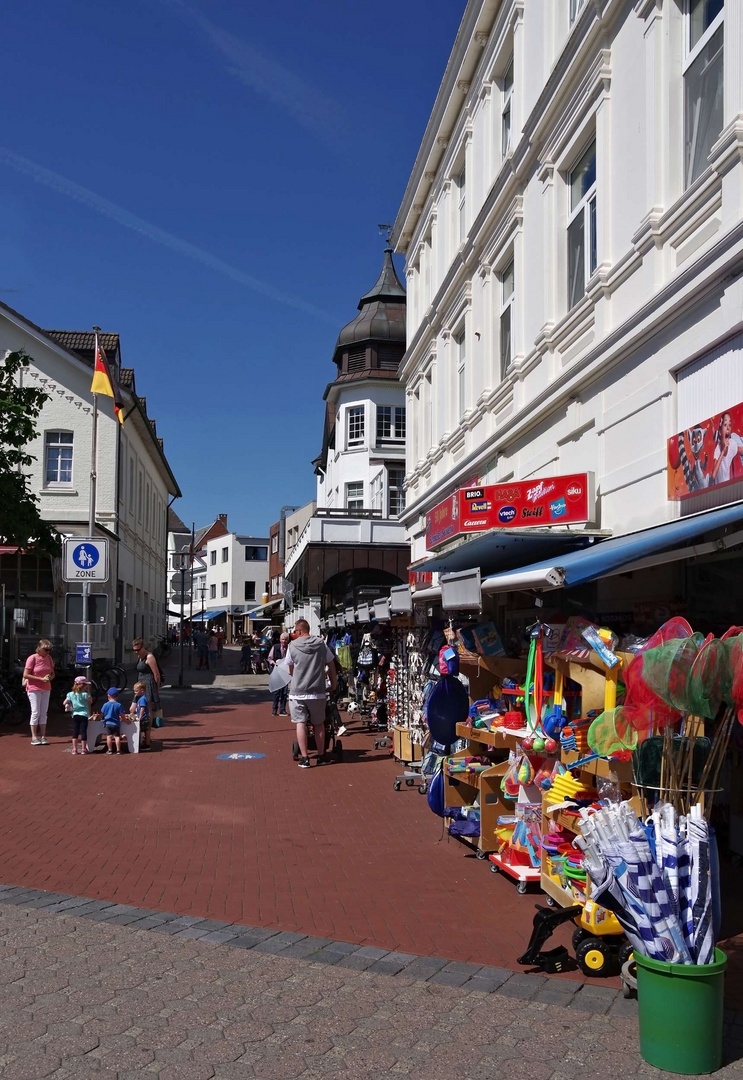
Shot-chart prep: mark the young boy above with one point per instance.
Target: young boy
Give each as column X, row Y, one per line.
column 111, row 713
column 140, row 710
column 79, row 702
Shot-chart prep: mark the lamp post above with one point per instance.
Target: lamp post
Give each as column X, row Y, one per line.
column 181, row 561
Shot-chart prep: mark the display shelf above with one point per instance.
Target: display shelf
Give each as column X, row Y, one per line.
column 485, row 789
column 563, row 897
column 483, row 737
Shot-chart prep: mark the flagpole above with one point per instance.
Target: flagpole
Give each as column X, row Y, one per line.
column 91, row 518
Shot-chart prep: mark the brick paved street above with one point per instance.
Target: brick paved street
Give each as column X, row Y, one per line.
column 363, row 944
column 334, row 852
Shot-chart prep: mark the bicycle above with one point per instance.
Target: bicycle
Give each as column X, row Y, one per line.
column 12, row 705
column 109, row 674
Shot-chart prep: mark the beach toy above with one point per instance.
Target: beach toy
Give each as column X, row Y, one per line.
column 565, row 787
column 525, row 773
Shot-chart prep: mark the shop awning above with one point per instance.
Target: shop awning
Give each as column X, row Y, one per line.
column 503, row 549
column 207, row 616
column 255, row 613
column 623, row 554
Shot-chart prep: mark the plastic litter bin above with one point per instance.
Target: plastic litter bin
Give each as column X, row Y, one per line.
column 680, row 1011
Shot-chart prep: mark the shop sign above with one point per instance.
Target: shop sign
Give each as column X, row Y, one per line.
column 524, row 504
column 419, row 579
column 709, row 454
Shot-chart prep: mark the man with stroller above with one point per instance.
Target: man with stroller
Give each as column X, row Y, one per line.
column 308, row 659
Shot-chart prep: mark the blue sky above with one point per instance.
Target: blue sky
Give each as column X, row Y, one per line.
column 206, row 179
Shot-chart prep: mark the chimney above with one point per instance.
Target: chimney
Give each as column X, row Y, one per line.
column 222, row 518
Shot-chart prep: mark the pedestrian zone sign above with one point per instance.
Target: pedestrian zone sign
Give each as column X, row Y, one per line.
column 83, row 653
column 85, row 559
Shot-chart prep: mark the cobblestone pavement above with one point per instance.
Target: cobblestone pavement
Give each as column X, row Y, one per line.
column 87, row 999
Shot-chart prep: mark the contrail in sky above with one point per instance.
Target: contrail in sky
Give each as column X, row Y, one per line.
column 136, row 224
column 311, row 109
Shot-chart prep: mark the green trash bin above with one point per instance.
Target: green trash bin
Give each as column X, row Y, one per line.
column 680, row 1009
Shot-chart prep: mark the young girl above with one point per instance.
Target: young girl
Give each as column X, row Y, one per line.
column 79, row 703
column 140, row 710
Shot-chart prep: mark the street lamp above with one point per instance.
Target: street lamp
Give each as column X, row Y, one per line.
column 181, row 561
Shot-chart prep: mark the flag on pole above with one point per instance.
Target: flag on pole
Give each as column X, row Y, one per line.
column 103, row 382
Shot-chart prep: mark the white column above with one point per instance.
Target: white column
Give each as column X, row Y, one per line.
column 733, row 62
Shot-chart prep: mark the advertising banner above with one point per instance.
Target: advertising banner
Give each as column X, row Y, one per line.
column 523, row 504
column 709, row 454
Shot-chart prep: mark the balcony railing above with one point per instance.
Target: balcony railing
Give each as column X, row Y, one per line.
column 343, row 512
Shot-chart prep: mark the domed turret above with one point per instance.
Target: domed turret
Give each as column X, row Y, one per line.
column 375, row 340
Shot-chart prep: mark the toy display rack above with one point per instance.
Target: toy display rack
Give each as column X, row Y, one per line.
column 483, row 788
column 591, row 675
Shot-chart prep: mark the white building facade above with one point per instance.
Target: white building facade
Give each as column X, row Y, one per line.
column 236, row 579
column 573, row 231
column 134, row 486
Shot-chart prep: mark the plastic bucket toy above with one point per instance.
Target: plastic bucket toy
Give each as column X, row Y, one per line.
column 680, row 1008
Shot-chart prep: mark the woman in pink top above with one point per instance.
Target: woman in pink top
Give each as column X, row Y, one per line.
column 38, row 674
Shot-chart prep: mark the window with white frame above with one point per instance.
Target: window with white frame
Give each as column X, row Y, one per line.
column 212, row 592
column 461, row 205
column 224, row 589
column 225, row 554
column 390, row 423
column 355, row 496
column 396, row 491
column 355, row 425
column 376, row 492
column 703, row 79
column 582, row 250
column 506, row 317
column 213, row 557
column 274, row 543
column 131, row 486
column 58, row 446
column 460, row 343
column 506, row 97
column 575, row 7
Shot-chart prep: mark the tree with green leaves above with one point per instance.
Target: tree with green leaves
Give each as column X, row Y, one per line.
column 20, row 521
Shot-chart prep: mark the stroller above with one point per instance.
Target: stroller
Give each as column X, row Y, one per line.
column 333, row 744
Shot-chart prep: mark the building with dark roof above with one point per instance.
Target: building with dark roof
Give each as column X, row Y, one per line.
column 353, row 547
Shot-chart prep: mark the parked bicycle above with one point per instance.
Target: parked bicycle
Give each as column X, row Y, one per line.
column 107, row 673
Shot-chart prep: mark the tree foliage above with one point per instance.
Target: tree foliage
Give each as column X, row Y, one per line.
column 20, row 521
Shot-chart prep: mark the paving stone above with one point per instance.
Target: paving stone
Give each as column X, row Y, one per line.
column 147, row 922
column 524, row 987
column 363, row 958
column 557, row 992
column 91, row 906
column 279, row 942
column 250, row 940
column 174, row 926
column 333, row 953
column 21, row 896
column 221, row 937
column 595, row 999
column 307, row 948
column 423, row 967
column 45, row 900
column 69, row 903
column 192, row 932
column 456, row 974
column 487, row 979
column 627, row 1007
column 212, row 924
column 392, row 963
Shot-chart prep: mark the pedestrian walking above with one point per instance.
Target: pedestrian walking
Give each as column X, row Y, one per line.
column 309, row 657
column 278, row 652
column 202, row 649
column 213, row 647
column 148, row 672
column 220, row 642
column 80, row 703
column 38, row 674
column 246, row 658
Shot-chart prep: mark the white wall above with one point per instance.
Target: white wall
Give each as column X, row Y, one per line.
column 138, row 560
column 590, row 387
column 235, row 572
column 366, row 461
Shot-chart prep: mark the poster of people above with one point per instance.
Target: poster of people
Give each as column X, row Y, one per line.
column 709, row 454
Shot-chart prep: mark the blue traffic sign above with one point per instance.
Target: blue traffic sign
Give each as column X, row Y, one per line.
column 83, row 653
column 239, row 757
column 85, row 556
